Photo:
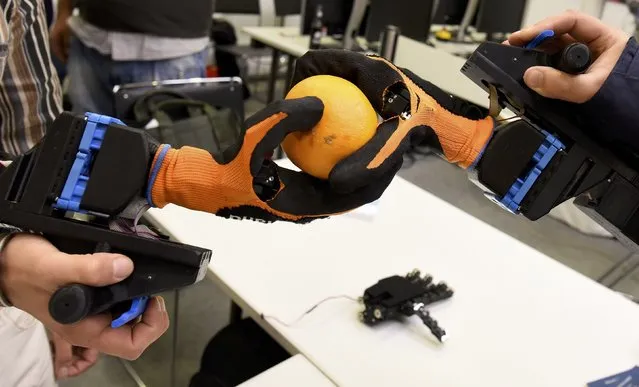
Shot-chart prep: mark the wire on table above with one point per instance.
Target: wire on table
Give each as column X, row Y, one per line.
column 308, row 311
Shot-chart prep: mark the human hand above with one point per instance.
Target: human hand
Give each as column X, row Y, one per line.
column 224, row 184
column 69, row 360
column 432, row 113
column 606, row 45
column 32, row 269
column 61, row 37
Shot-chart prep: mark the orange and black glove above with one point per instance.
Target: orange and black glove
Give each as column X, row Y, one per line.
column 241, row 183
column 431, row 115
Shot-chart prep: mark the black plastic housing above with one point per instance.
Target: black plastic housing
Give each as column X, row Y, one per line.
column 119, row 172
column 31, row 184
column 604, row 178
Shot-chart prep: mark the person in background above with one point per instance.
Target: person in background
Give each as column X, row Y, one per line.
column 116, row 42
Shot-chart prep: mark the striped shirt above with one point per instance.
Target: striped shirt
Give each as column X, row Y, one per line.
column 30, row 92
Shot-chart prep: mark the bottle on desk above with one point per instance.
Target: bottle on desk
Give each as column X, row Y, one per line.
column 317, row 28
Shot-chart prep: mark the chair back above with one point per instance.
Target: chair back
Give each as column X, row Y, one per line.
column 207, row 113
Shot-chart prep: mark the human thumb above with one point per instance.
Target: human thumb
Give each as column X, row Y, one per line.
column 99, row 269
column 552, row 83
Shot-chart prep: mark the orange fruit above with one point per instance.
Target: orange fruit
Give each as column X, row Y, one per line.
column 348, row 122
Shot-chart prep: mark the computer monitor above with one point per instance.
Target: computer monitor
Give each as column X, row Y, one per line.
column 499, row 17
column 287, row 7
column 412, row 17
column 336, row 14
column 450, row 12
column 251, row 7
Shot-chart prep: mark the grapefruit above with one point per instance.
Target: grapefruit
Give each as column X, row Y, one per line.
column 348, row 122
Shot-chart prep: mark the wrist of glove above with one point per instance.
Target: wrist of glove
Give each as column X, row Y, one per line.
column 193, row 178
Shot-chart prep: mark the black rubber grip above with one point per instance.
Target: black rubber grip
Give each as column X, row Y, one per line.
column 72, row 303
column 573, row 59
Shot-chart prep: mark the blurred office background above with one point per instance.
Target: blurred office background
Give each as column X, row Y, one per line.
column 454, row 26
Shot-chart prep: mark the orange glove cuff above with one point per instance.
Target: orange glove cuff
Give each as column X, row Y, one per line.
column 462, row 139
column 189, row 177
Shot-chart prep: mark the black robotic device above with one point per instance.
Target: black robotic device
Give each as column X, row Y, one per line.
column 115, row 170
column 396, row 297
column 536, row 163
column 545, row 157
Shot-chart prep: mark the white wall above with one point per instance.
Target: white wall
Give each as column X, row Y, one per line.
column 537, row 10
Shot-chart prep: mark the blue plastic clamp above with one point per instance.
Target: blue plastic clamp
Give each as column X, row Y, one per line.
column 539, row 39
column 76, row 182
column 518, row 191
column 138, row 305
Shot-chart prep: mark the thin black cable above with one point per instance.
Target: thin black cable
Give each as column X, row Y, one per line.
column 308, row 311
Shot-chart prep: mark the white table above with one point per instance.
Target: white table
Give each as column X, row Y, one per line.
column 460, row 49
column 296, row 371
column 517, row 318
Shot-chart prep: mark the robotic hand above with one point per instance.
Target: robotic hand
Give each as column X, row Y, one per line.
column 554, row 151
column 413, row 110
column 558, row 150
column 242, row 184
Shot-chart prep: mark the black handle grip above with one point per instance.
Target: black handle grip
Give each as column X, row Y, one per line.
column 573, row 59
column 72, row 303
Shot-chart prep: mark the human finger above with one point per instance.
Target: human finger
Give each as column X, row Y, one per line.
column 130, row 341
column 84, row 360
column 63, row 356
column 552, row 83
column 99, row 269
column 582, row 27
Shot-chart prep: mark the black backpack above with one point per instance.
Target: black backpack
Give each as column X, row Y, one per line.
column 236, row 354
column 173, row 118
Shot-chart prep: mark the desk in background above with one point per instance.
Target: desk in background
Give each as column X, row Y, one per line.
column 427, row 62
column 517, row 317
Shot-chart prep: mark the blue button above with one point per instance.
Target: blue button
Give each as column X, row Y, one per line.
column 539, row 39
column 138, row 305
